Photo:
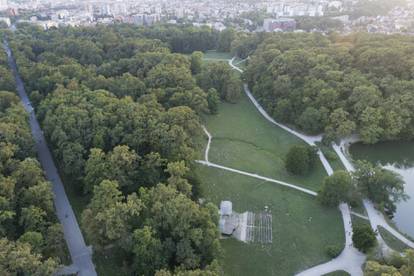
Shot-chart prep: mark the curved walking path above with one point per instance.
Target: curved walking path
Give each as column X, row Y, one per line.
column 350, row 259
column 81, row 254
column 214, row 165
column 376, row 218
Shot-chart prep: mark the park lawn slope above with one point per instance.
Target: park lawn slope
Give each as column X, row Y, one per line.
column 302, row 228
column 244, row 140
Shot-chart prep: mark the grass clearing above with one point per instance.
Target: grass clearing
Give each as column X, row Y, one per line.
column 214, row 55
column 338, row 273
column 302, row 228
column 332, row 157
column 244, row 140
column 391, row 241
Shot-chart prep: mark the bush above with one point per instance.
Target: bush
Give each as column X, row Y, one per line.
column 364, row 238
column 333, row 251
column 300, row 159
column 336, row 188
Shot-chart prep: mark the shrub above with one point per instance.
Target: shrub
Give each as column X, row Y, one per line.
column 300, row 159
column 364, row 238
column 333, row 251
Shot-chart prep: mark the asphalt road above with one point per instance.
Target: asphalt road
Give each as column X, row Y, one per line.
column 81, row 254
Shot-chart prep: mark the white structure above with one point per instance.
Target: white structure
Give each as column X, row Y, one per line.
column 3, row 5
column 6, row 20
column 226, row 208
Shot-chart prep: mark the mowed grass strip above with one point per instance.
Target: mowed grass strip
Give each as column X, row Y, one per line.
column 302, row 228
column 214, row 55
column 244, row 140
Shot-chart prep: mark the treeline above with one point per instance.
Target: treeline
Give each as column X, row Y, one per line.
column 31, row 239
column 122, row 114
column 338, row 85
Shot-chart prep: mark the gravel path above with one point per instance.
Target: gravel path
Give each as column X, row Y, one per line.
column 79, row 252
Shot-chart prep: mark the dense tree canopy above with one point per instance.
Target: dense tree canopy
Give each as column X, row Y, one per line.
column 337, row 85
column 121, row 109
column 31, row 239
column 363, row 238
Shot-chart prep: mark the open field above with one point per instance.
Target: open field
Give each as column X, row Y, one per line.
column 391, row 241
column 301, row 227
column 214, row 55
column 244, row 140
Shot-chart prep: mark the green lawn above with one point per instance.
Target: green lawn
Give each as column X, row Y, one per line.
column 338, row 273
column 391, row 241
column 302, row 228
column 214, row 55
column 332, row 157
column 244, row 140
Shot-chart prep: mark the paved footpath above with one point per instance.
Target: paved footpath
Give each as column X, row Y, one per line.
column 81, row 254
column 350, row 259
column 376, row 218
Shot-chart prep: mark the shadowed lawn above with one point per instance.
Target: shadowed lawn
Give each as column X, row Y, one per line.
column 211, row 55
column 302, row 228
column 244, row 140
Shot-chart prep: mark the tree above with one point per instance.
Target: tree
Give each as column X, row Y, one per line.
column 28, row 173
column 226, row 37
column 382, row 186
column 311, row 120
column 336, row 188
column 148, row 251
column 300, row 159
column 220, row 77
column 213, row 100
column 373, row 268
column 196, row 62
column 363, row 238
column 404, row 267
column 35, row 239
column 17, row 258
column 105, row 220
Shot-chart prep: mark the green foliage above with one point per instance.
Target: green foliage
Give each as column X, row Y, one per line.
column 363, row 238
column 337, row 85
column 18, row 258
column 167, row 228
column 404, row 266
column 300, row 159
column 26, row 200
column 383, row 187
column 333, row 251
column 336, row 188
column 120, row 108
column 223, row 79
column 213, row 100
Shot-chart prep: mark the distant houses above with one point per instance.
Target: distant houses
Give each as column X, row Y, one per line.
column 280, row 24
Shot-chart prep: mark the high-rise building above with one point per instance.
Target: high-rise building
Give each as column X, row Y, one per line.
column 3, row 5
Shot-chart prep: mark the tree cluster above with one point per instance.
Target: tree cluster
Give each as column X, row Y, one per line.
column 338, row 85
column 364, row 238
column 31, row 239
column 300, row 160
column 383, row 187
column 398, row 265
column 121, row 111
